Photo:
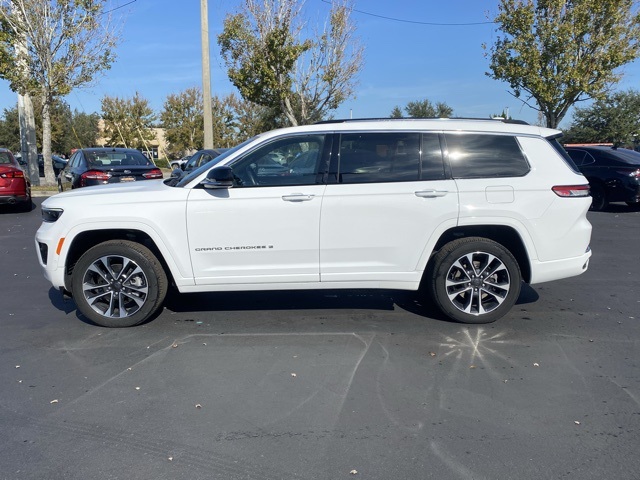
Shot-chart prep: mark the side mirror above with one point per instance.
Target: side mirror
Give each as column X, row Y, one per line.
column 177, row 173
column 219, row 177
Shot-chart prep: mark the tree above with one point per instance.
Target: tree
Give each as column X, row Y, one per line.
column 49, row 48
column 559, row 52
column 504, row 114
column 253, row 119
column 272, row 65
column 127, row 121
column 423, row 109
column 396, row 112
column 183, row 121
column 613, row 119
column 72, row 129
column 10, row 129
column 85, row 130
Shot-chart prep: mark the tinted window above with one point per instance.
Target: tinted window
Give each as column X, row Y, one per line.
column 74, row 160
column 432, row 165
column 5, row 158
column 114, row 159
column 475, row 156
column 379, row 157
column 577, row 156
column 580, row 157
column 287, row 161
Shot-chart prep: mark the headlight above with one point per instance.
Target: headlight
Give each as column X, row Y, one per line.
column 51, row 215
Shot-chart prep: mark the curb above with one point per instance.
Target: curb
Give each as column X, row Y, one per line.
column 43, row 193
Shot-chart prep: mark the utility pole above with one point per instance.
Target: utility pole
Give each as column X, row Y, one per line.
column 206, row 75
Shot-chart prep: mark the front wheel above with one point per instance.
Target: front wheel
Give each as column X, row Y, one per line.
column 475, row 280
column 118, row 283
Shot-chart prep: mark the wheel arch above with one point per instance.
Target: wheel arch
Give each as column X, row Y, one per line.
column 506, row 236
column 87, row 239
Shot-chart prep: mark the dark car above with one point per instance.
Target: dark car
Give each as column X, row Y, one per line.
column 57, row 162
column 201, row 157
column 98, row 166
column 613, row 173
column 15, row 187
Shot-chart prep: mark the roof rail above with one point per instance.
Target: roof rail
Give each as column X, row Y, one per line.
column 386, row 119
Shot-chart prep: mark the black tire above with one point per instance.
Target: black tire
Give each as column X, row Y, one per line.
column 475, row 280
column 27, row 205
column 118, row 302
column 598, row 197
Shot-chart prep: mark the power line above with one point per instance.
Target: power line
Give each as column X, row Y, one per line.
column 417, row 22
column 119, row 7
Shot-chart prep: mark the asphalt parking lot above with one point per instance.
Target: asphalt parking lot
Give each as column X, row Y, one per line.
column 325, row 385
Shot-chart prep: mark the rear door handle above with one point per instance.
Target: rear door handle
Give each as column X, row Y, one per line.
column 431, row 193
column 297, row 197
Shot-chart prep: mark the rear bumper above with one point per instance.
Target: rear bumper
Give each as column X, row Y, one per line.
column 559, row 269
column 13, row 199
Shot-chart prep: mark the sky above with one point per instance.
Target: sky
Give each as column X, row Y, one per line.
column 413, row 50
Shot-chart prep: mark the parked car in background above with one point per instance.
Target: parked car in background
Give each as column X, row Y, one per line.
column 15, row 187
column 179, row 163
column 201, row 157
column 613, row 173
column 98, row 166
column 58, row 164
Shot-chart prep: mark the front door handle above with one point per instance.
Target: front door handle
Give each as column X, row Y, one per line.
column 431, row 193
column 297, row 197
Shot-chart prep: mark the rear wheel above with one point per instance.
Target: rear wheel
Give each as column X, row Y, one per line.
column 118, row 283
column 27, row 205
column 598, row 197
column 475, row 280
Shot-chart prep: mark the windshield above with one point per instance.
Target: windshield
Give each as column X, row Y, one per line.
column 188, row 178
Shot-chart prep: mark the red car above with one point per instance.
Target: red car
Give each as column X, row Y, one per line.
column 15, row 187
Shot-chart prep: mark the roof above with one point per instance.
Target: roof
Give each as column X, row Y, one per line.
column 419, row 124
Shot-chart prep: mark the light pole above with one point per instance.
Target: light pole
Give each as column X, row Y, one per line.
column 206, row 75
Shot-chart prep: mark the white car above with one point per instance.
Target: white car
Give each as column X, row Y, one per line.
column 180, row 163
column 465, row 210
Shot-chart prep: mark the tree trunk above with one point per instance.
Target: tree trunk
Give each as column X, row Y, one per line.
column 49, row 177
column 29, row 148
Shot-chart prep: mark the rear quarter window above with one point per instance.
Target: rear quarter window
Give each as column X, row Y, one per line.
column 481, row 155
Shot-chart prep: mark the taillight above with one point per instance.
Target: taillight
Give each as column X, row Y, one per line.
column 155, row 173
column 94, row 175
column 625, row 172
column 13, row 174
column 571, row 190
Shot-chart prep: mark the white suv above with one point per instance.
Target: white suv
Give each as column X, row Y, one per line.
column 467, row 209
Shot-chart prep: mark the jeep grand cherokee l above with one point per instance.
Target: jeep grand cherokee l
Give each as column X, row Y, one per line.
column 469, row 209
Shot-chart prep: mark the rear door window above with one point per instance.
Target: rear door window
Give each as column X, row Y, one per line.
column 485, row 156
column 379, row 157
